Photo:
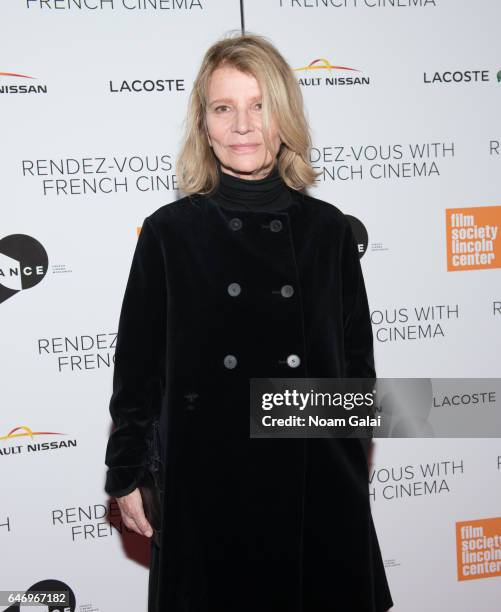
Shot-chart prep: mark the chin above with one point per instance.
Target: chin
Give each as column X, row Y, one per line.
column 245, row 165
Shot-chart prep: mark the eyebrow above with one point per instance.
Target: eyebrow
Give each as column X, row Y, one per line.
column 230, row 100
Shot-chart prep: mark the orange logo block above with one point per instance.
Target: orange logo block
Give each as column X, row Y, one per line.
column 478, row 545
column 473, row 241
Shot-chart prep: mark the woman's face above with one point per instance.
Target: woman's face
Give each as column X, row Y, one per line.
column 233, row 119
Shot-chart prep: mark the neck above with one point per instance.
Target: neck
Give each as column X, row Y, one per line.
column 267, row 193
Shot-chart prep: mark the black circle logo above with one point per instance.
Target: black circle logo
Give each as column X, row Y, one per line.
column 360, row 232
column 23, row 264
column 50, row 584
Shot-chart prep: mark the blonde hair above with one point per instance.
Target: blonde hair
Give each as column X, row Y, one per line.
column 196, row 165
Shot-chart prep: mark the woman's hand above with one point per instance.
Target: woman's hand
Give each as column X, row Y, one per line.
column 131, row 508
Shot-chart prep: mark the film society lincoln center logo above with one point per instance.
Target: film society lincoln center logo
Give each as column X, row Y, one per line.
column 473, row 241
column 478, row 545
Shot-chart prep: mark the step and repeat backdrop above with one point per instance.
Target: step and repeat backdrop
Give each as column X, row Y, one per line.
column 403, row 99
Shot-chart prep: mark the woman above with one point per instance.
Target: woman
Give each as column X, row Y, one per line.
column 246, row 276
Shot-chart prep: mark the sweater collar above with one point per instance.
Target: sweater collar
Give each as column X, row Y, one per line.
column 266, row 194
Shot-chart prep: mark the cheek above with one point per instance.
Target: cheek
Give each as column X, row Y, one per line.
column 275, row 135
column 217, row 130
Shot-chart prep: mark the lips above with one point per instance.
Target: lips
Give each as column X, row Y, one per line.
column 246, row 148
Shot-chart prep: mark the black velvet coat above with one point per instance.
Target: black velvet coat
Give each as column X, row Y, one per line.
column 268, row 525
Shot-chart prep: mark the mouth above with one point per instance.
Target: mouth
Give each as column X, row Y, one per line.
column 245, row 148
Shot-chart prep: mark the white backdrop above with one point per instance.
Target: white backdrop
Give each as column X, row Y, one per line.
column 403, row 99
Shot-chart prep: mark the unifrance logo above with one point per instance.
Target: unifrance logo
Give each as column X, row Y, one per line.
column 473, row 238
column 23, row 264
column 360, row 232
column 49, row 585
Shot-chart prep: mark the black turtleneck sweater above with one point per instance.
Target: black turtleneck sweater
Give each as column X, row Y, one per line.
column 268, row 193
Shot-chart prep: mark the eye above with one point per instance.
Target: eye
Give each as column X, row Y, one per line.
column 220, row 107
column 260, row 104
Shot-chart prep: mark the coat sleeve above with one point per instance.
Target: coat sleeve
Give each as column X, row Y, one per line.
column 138, row 376
column 358, row 338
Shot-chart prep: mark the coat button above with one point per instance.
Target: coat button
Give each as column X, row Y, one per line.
column 235, row 223
column 234, row 289
column 287, row 290
column 275, row 225
column 293, row 361
column 191, row 396
column 230, row 361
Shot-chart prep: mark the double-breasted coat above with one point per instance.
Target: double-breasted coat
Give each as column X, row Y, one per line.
column 270, row 525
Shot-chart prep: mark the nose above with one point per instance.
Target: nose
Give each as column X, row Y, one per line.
column 242, row 123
